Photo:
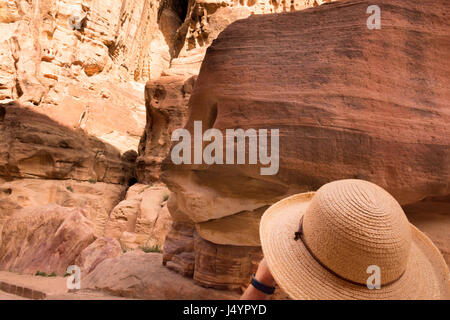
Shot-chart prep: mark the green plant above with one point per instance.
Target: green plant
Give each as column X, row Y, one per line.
column 148, row 249
column 67, row 275
column 43, row 274
column 125, row 249
column 69, row 188
column 166, row 197
column 92, row 181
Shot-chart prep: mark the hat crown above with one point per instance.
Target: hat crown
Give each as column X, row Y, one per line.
column 353, row 224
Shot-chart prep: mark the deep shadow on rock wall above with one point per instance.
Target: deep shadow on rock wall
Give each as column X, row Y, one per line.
column 35, row 146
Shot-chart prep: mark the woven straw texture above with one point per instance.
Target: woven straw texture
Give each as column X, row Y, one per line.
column 349, row 225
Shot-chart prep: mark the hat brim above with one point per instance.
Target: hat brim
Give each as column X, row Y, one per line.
column 302, row 277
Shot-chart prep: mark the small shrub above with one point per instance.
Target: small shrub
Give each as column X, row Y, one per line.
column 166, row 197
column 154, row 248
column 43, row 274
column 125, row 249
column 69, row 188
column 92, row 181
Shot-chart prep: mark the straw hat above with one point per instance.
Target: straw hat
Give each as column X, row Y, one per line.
column 320, row 246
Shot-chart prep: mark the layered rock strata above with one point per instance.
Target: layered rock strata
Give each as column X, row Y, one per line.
column 348, row 101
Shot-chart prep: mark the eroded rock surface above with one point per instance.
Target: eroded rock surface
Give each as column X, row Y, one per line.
column 167, row 96
column 178, row 249
column 76, row 59
column 205, row 19
column 141, row 275
column 46, row 239
column 96, row 199
column 101, row 249
column 241, row 229
column 166, row 100
column 432, row 216
column 330, row 127
column 67, row 58
column 224, row 266
column 33, row 145
column 142, row 219
column 349, row 102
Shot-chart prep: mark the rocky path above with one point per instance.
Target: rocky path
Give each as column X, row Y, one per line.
column 22, row 287
column 133, row 275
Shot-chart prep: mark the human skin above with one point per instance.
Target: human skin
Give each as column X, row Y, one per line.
column 264, row 276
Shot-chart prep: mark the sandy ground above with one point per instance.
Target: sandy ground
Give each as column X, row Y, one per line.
column 7, row 296
column 54, row 287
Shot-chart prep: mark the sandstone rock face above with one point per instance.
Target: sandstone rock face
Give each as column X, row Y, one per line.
column 205, row 19
column 224, row 266
column 65, row 57
column 76, row 70
column 142, row 219
column 166, row 97
column 241, row 229
column 166, row 100
column 321, row 135
column 35, row 146
column 46, row 239
column 358, row 103
column 167, row 107
column 98, row 251
column 178, row 249
column 433, row 218
column 74, row 60
column 43, row 162
column 141, row 275
column 96, row 199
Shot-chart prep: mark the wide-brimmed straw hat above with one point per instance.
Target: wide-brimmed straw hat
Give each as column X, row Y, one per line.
column 326, row 245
